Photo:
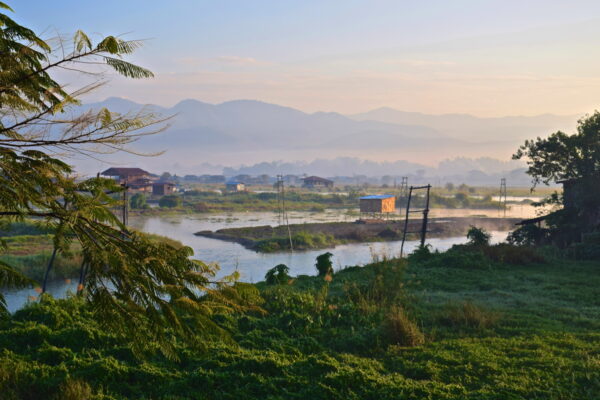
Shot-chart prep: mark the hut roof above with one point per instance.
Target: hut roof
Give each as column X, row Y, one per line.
column 316, row 179
column 125, row 172
column 377, row 197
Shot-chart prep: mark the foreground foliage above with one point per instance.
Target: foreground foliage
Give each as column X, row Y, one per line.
column 384, row 331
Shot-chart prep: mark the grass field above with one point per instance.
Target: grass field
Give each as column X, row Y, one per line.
column 445, row 327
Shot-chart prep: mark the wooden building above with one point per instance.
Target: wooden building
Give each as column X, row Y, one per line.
column 163, row 188
column 136, row 179
column 235, row 186
column 123, row 175
column 380, row 204
column 313, row 182
column 579, row 216
column 582, row 197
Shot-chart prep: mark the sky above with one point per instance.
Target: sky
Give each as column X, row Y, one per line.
column 480, row 57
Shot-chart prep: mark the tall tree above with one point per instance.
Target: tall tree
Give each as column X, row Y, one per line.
column 561, row 156
column 135, row 286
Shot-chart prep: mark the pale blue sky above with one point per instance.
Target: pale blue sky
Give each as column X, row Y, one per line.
column 479, row 57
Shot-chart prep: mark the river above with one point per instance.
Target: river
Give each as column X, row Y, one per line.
column 251, row 266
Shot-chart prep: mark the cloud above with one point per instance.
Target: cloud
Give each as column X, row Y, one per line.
column 222, row 61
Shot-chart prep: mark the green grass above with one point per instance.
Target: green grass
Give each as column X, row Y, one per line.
column 30, row 254
column 427, row 330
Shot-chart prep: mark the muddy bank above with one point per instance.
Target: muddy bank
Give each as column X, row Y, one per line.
column 320, row 235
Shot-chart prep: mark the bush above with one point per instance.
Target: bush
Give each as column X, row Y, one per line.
column 400, row 330
column 324, row 264
column 170, row 201
column 201, row 207
column 510, row 254
column 478, row 237
column 468, row 315
column 421, row 253
column 528, row 235
column 278, row 275
column 138, row 201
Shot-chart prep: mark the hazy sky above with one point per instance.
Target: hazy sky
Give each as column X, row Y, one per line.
column 487, row 58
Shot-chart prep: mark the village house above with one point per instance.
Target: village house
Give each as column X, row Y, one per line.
column 379, row 204
column 235, row 186
column 313, row 182
column 136, row 179
column 582, row 196
column 580, row 214
column 163, row 188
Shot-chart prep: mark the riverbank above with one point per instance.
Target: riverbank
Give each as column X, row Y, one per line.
column 268, row 239
column 419, row 330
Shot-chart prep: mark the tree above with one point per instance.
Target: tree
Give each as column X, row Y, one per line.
column 324, row 264
column 278, row 275
column 138, row 201
column 561, row 156
column 170, row 201
column 478, row 237
column 135, row 286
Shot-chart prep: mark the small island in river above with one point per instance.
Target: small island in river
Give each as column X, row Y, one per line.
column 307, row 236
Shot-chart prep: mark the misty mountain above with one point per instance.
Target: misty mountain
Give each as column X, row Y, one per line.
column 476, row 129
column 248, row 131
column 248, row 125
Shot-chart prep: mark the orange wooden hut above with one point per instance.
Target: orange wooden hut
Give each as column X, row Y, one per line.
column 380, row 204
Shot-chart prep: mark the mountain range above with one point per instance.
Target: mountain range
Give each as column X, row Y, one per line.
column 249, row 131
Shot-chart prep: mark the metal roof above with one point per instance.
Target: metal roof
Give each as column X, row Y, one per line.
column 377, row 197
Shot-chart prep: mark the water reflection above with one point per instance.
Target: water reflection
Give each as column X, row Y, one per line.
column 251, row 266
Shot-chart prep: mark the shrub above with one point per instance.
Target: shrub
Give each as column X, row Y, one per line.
column 201, row 207
column 468, row 315
column 528, row 235
column 324, row 264
column 170, row 201
column 278, row 275
column 421, row 253
column 478, row 236
column 510, row 254
column 398, row 329
column 74, row 389
column 459, row 256
column 138, row 201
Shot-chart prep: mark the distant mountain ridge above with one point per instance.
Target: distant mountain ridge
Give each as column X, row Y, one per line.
column 250, row 131
column 251, row 124
column 470, row 128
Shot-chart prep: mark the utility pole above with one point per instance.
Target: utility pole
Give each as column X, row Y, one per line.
column 125, row 209
column 502, row 197
column 424, row 211
column 283, row 216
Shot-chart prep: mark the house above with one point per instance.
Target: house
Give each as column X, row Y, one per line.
column 136, row 179
column 235, row 186
column 163, row 188
column 385, row 203
column 126, row 175
column 582, row 197
column 316, row 182
column 580, row 214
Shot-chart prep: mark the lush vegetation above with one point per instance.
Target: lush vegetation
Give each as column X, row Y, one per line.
column 431, row 328
column 212, row 201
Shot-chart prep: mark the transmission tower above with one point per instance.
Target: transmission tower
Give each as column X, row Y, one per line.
column 282, row 212
column 502, row 198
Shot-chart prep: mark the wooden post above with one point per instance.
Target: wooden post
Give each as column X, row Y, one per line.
column 48, row 268
column 406, row 221
column 425, row 217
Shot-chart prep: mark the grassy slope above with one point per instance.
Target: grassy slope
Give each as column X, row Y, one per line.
column 324, row 341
